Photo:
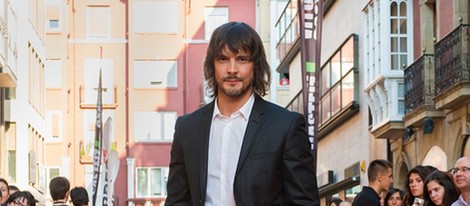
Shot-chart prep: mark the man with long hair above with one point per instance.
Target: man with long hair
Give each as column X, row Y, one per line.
column 240, row 149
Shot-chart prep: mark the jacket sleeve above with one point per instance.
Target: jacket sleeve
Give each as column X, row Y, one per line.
column 178, row 193
column 299, row 175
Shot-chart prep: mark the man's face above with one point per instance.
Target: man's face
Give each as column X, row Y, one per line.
column 462, row 174
column 234, row 74
column 387, row 179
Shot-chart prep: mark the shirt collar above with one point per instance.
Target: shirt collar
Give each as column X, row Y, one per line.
column 245, row 110
column 461, row 200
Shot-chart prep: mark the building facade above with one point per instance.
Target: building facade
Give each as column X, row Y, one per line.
column 356, row 74
column 22, row 98
column 393, row 85
column 150, row 54
column 436, row 88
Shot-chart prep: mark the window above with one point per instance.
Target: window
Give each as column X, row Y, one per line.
column 351, row 193
column 401, row 98
column 51, row 173
column 155, row 74
column 214, row 17
column 163, row 15
column 53, row 15
column 91, row 77
column 53, row 73
column 98, row 21
column 398, row 35
column 54, row 126
column 151, row 181
column 154, row 126
column 337, row 80
column 12, row 165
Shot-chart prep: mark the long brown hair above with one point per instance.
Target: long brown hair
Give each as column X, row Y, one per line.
column 238, row 36
column 451, row 192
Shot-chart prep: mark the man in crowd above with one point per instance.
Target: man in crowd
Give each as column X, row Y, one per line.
column 59, row 188
column 461, row 173
column 380, row 177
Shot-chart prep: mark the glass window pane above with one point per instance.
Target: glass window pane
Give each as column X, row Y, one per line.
column 401, row 106
column 393, row 9
column 394, row 26
column 403, row 9
column 155, row 177
column 394, row 62
column 403, row 61
column 335, row 99
column 325, row 108
column 335, row 68
column 347, row 57
column 347, row 89
column 164, row 15
column 142, row 182
column 403, row 45
column 325, row 79
column 12, row 164
column 53, row 172
column 352, row 192
column 394, row 44
column 403, row 26
column 213, row 18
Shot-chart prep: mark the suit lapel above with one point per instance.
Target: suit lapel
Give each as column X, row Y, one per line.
column 204, row 133
column 252, row 130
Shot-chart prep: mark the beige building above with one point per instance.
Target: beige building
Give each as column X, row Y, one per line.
column 22, row 98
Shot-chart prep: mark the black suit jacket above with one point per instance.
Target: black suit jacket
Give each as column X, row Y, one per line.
column 275, row 166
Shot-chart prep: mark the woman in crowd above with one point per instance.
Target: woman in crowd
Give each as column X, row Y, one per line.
column 440, row 189
column 394, row 197
column 4, row 189
column 20, row 198
column 335, row 201
column 415, row 184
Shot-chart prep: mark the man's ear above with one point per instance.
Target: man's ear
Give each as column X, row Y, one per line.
column 380, row 177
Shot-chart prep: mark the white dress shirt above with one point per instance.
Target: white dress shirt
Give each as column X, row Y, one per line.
column 225, row 142
column 461, row 202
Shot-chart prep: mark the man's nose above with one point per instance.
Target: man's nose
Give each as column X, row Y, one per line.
column 232, row 66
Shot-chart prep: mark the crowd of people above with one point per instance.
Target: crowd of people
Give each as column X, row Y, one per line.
column 59, row 188
column 425, row 186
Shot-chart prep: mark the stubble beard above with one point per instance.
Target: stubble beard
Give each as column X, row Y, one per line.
column 234, row 92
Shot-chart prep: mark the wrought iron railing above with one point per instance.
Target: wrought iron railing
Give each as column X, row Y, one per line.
column 419, row 83
column 451, row 59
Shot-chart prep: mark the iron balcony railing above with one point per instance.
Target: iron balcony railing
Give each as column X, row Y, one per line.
column 451, row 59
column 419, row 83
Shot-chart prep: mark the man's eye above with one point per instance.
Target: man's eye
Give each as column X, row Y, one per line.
column 244, row 59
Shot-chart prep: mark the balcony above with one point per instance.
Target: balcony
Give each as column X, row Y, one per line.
column 419, row 91
column 452, row 70
column 88, row 98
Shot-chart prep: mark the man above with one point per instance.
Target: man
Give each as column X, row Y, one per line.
column 380, row 178
column 59, row 188
column 79, row 196
column 240, row 149
column 461, row 173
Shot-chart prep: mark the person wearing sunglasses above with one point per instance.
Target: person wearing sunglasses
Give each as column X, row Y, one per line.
column 461, row 174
